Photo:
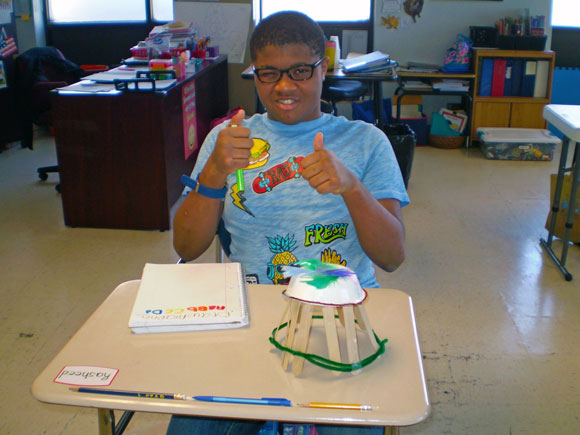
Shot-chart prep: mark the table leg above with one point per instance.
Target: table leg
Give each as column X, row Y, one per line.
column 572, row 206
column 561, row 262
column 107, row 422
column 391, row 430
column 558, row 190
column 378, row 103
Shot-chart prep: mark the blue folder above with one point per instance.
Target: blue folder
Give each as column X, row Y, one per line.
column 528, row 78
column 517, row 66
column 486, row 77
column 508, row 80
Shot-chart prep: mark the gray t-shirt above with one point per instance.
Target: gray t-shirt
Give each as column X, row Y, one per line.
column 280, row 219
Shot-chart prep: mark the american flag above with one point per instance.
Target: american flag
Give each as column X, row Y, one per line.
column 8, row 46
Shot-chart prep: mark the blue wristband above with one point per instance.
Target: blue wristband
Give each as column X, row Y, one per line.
column 208, row 192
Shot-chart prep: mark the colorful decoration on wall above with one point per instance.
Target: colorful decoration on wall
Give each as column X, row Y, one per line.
column 398, row 14
column 413, row 8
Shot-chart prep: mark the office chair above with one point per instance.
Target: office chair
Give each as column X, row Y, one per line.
column 336, row 90
column 222, row 244
column 40, row 70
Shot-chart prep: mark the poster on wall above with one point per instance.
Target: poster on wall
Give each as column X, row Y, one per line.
column 398, row 14
column 3, row 82
column 7, row 43
column 5, row 11
column 189, row 119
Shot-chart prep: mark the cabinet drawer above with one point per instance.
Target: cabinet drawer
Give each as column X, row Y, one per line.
column 491, row 115
column 527, row 115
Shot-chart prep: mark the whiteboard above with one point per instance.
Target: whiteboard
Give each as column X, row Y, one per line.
column 227, row 25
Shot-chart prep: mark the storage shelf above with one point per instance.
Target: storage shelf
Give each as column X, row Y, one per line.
column 509, row 111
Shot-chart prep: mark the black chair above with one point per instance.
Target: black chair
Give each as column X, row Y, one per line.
column 40, row 70
column 336, row 90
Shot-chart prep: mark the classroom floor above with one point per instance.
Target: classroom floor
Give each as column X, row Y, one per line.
column 498, row 324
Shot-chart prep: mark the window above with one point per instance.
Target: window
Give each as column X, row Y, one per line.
column 319, row 10
column 108, row 11
column 566, row 13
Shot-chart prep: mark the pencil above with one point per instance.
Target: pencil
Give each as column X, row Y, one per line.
column 353, row 406
column 144, row 394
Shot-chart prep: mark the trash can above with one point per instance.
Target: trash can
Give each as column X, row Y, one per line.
column 403, row 140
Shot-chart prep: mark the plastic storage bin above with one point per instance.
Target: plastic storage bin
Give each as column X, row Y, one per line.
column 517, row 143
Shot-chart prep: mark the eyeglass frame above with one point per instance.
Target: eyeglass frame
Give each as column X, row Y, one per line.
column 287, row 71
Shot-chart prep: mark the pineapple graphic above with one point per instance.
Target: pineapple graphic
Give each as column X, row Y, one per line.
column 282, row 247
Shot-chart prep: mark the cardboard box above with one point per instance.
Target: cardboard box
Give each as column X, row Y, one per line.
column 517, row 143
column 563, row 211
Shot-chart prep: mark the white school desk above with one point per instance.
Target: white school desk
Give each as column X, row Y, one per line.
column 243, row 363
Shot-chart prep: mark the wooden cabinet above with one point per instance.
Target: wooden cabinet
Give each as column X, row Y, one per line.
column 510, row 111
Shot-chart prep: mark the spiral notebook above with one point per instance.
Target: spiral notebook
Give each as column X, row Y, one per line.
column 190, row 297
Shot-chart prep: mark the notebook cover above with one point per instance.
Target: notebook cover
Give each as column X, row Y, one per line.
column 508, row 80
column 517, row 66
column 528, row 78
column 486, row 77
column 497, row 82
column 541, row 83
column 189, row 297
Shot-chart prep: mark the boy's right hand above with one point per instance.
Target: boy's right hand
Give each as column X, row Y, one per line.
column 231, row 152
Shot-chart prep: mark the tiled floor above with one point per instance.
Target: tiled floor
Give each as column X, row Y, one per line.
column 499, row 326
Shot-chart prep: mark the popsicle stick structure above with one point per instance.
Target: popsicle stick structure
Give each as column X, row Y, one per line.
column 338, row 301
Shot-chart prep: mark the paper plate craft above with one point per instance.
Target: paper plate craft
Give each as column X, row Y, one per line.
column 332, row 293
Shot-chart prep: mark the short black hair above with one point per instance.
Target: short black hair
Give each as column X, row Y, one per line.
column 287, row 27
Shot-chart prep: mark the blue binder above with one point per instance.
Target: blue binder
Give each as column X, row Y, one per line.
column 508, row 80
column 528, row 78
column 486, row 77
column 517, row 66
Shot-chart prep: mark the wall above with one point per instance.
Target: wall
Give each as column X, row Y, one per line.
column 435, row 30
column 426, row 40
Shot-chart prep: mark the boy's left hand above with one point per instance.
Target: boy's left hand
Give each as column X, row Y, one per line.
column 324, row 171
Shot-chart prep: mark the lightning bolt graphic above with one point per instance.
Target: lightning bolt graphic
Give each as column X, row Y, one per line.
column 238, row 198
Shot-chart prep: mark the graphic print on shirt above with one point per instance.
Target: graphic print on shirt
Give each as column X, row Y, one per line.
column 270, row 178
column 259, row 154
column 281, row 247
column 319, row 233
column 329, row 255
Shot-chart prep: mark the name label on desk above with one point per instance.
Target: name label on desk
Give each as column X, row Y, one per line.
column 86, row 375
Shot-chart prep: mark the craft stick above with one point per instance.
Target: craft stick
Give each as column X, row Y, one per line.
column 302, row 337
column 292, row 325
column 340, row 315
column 350, row 329
column 282, row 319
column 363, row 321
column 331, row 334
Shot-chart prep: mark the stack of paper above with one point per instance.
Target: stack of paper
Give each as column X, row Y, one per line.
column 371, row 62
column 451, row 85
column 190, row 297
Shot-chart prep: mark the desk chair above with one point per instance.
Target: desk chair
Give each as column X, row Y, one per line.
column 335, row 91
column 40, row 70
column 222, row 244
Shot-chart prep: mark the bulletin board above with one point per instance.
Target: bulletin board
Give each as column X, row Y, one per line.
column 227, row 24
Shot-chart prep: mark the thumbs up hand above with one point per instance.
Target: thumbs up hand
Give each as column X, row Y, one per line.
column 232, row 149
column 324, row 171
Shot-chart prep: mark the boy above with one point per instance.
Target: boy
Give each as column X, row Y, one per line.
column 316, row 185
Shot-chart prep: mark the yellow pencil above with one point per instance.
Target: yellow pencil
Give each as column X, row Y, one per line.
column 353, row 406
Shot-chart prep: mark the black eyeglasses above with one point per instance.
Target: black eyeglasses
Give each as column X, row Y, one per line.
column 297, row 73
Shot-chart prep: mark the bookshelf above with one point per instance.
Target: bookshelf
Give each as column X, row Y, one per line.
column 513, row 110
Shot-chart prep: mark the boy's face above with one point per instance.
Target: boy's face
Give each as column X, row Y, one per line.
column 289, row 101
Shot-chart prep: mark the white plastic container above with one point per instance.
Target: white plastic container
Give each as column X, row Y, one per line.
column 517, row 143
